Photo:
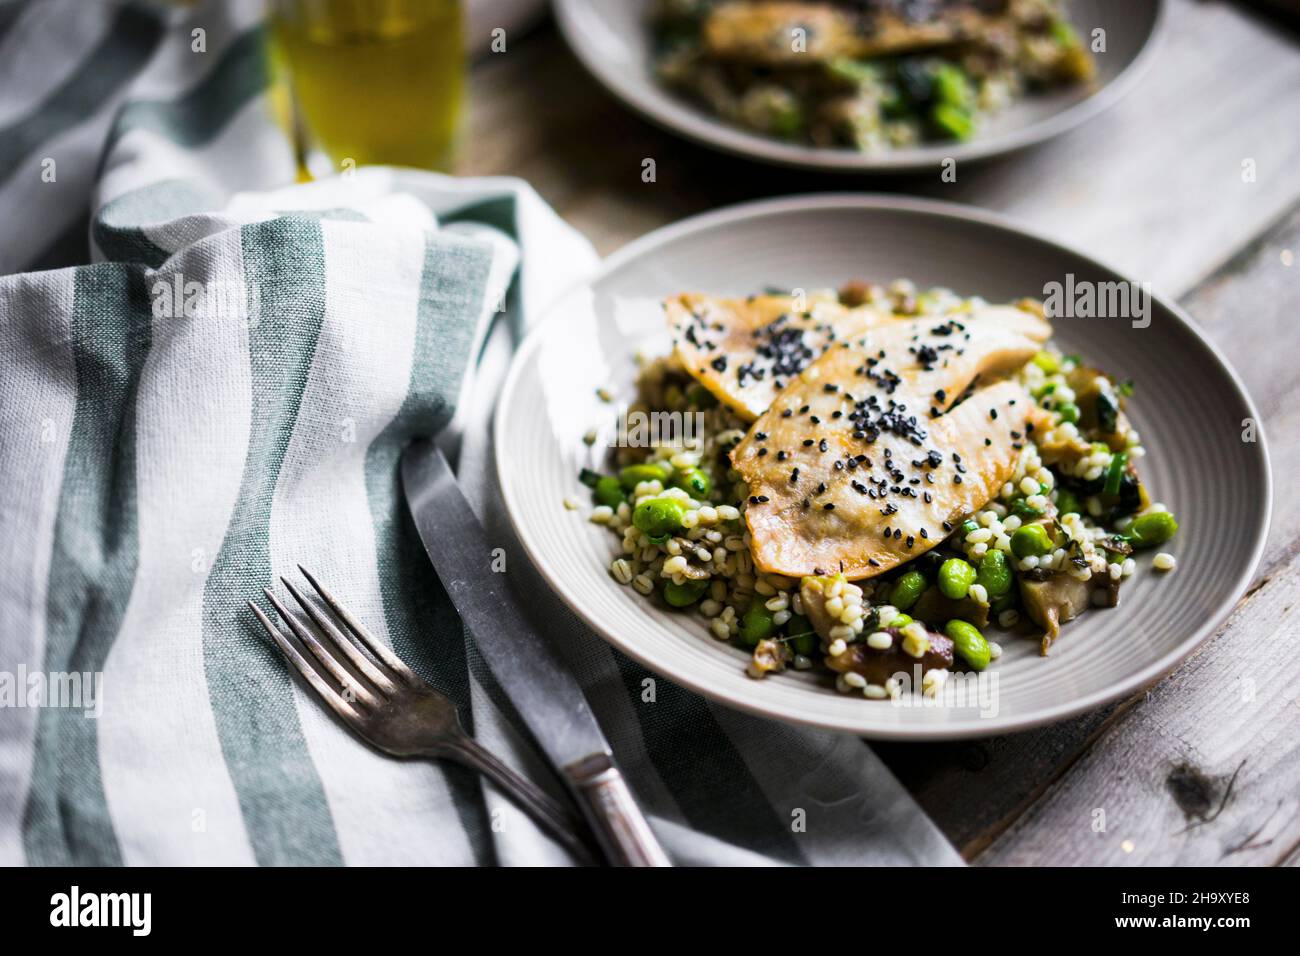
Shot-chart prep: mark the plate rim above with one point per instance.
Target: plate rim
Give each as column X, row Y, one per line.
column 815, row 202
column 717, row 134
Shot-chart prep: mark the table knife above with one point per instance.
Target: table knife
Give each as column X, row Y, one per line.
column 541, row 688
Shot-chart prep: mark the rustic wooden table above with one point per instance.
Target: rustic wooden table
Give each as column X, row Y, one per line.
column 1202, row 767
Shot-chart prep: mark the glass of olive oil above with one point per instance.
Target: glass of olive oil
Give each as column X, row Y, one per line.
column 375, row 81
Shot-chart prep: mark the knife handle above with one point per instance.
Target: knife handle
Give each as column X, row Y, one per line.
column 620, row 828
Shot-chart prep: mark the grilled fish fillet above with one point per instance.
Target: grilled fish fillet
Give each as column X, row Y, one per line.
column 744, row 351
column 762, row 32
column 864, row 462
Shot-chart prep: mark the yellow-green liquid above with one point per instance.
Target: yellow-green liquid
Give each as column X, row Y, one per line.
column 377, row 81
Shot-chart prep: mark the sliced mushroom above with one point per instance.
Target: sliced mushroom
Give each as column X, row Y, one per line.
column 1052, row 600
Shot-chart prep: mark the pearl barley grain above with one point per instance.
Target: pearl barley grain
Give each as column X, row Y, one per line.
column 1164, row 561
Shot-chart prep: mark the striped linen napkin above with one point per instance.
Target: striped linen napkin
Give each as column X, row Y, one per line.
column 225, row 392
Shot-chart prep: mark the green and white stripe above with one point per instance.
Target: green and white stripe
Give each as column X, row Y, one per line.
column 165, row 781
column 65, row 66
column 37, row 406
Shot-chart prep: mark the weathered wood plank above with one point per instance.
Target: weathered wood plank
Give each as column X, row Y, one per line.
column 1161, row 765
column 1249, row 308
column 976, row 789
column 1202, row 771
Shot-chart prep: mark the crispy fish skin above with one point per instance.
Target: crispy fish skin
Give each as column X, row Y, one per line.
column 899, row 458
column 744, row 351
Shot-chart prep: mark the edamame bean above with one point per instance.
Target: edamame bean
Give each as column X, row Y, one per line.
column 659, row 516
column 1152, row 528
column 901, row 621
column 803, row 640
column 955, row 578
column 633, row 475
column 694, row 482
column 907, row 590
column 952, row 87
column 609, row 492
column 953, row 121
column 968, row 643
column 1068, row 411
column 994, row 574
column 1030, row 539
column 1047, row 362
column 686, row 593
column 756, row 624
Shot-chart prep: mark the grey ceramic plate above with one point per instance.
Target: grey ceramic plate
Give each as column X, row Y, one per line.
column 612, row 40
column 1189, row 406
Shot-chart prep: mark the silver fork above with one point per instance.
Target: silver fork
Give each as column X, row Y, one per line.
column 390, row 707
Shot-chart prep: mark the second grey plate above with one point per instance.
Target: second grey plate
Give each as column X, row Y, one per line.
column 612, row 39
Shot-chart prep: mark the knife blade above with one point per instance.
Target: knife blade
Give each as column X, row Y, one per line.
column 543, row 691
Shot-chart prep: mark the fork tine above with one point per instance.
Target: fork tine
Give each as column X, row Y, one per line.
column 322, row 653
column 367, row 641
column 360, row 661
column 309, row 673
